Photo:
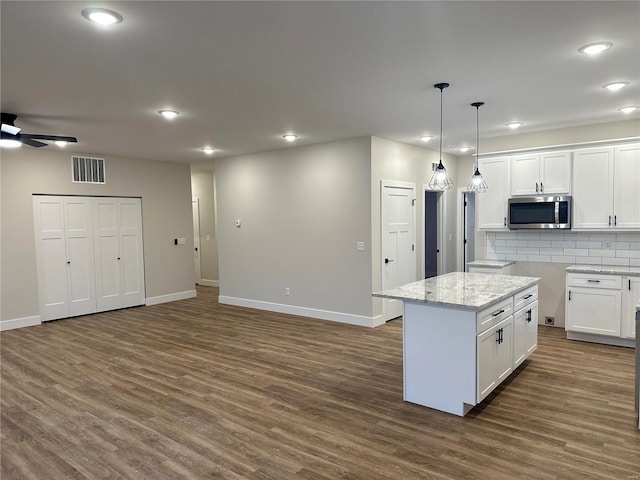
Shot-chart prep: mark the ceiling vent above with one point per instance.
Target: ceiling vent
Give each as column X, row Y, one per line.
column 87, row 170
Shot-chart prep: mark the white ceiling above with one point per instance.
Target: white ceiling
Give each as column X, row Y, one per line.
column 244, row 73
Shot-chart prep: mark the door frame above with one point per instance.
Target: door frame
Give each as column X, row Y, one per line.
column 460, row 228
column 442, row 244
column 195, row 205
column 398, row 184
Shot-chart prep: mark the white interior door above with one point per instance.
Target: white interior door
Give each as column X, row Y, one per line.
column 80, row 262
column 195, row 205
column 131, row 251
column 51, row 256
column 107, row 252
column 398, row 240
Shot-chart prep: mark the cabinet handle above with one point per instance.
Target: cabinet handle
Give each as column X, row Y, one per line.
column 505, row 221
column 536, row 187
column 501, row 335
column 615, row 220
column 529, row 316
column 497, row 313
column 629, row 284
column 498, row 336
column 593, row 281
column 118, row 258
column 569, row 294
column 609, row 220
column 541, row 188
column 527, row 297
column 68, row 263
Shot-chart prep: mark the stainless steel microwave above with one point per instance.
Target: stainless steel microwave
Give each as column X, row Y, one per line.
column 540, row 211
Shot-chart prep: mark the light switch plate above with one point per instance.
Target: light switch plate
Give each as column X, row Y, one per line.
column 181, row 241
column 360, row 246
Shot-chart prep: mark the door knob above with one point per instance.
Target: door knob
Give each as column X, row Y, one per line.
column 386, row 260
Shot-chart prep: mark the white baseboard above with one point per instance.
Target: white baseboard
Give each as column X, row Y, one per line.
column 209, row 283
column 172, row 297
column 349, row 318
column 604, row 339
column 19, row 323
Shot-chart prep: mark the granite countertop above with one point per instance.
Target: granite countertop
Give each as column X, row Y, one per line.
column 490, row 263
column 604, row 269
column 469, row 291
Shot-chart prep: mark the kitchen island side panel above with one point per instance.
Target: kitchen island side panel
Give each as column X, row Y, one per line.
column 439, row 357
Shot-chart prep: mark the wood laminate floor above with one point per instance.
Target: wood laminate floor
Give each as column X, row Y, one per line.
column 197, row 390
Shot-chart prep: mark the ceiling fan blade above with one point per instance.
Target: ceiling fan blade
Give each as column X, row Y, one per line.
column 30, row 141
column 58, row 138
column 8, row 125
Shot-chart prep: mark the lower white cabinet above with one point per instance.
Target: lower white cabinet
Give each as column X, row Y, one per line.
column 630, row 298
column 88, row 254
column 495, row 356
column 525, row 325
column 601, row 307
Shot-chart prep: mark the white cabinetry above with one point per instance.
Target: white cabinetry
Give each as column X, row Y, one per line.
column 492, row 204
column 118, row 252
column 630, row 298
column 88, row 254
column 605, row 188
column 525, row 325
column 64, row 256
column 593, row 304
column 541, row 173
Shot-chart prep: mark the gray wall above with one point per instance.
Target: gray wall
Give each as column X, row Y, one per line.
column 166, row 214
column 302, row 210
column 392, row 160
column 203, row 187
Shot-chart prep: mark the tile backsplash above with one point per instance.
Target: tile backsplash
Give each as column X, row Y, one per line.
column 592, row 248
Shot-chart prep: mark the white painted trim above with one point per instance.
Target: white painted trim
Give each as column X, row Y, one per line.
column 566, row 146
column 209, row 283
column 19, row 323
column 172, row 297
column 604, row 339
column 349, row 318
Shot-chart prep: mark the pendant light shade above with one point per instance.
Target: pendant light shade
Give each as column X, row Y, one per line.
column 477, row 183
column 440, row 179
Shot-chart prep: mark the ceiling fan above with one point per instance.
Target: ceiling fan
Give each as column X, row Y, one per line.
column 13, row 134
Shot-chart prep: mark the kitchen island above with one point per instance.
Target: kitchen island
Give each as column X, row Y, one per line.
column 463, row 334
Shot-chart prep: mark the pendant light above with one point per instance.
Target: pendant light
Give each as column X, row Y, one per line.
column 477, row 183
column 440, row 179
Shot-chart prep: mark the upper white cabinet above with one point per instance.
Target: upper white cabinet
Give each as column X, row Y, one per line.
column 492, row 204
column 605, row 188
column 541, row 173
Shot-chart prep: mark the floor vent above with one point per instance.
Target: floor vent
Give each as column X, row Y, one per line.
column 87, row 170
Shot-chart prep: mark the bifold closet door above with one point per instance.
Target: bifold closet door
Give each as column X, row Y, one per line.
column 65, row 260
column 118, row 252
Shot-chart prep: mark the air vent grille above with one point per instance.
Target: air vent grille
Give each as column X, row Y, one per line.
column 87, row 170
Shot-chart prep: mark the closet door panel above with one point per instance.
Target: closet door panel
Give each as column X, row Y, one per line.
column 107, row 252
column 132, row 257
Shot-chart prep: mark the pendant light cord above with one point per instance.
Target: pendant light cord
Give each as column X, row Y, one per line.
column 441, row 89
column 477, row 134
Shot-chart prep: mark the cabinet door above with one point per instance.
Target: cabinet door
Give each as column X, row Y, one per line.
column 504, row 349
column 626, row 200
column 525, row 174
column 531, row 330
column 555, row 173
column 80, row 263
column 487, row 362
column 492, row 204
column 630, row 298
column 519, row 336
column 593, row 310
column 593, row 188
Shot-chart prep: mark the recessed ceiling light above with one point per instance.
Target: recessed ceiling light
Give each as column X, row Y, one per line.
column 629, row 109
column 290, row 137
column 61, row 143
column 8, row 143
column 169, row 114
column 514, row 125
column 595, row 48
column 208, row 150
column 615, row 86
column 464, row 149
column 425, row 138
column 102, row 16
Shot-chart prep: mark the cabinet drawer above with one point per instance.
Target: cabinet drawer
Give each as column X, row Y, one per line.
column 525, row 297
column 495, row 313
column 591, row 280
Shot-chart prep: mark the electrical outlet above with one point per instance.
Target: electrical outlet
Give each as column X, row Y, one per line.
column 287, row 291
column 606, row 245
column 549, row 320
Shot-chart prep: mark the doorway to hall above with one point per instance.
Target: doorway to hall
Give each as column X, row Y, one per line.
column 431, row 245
